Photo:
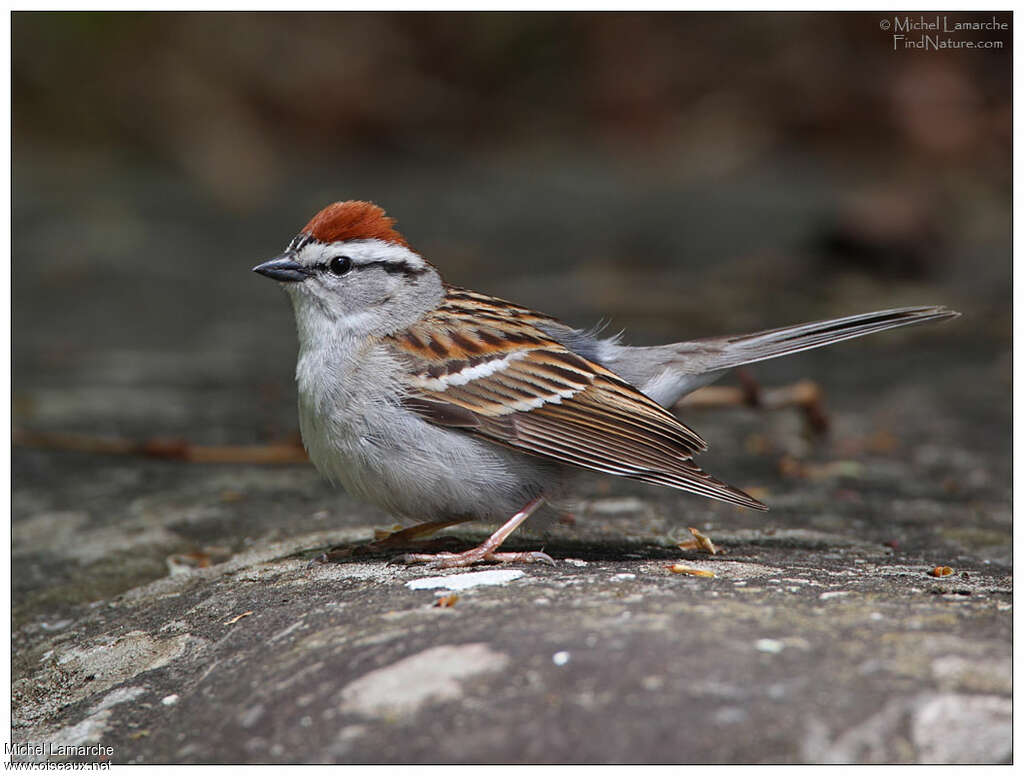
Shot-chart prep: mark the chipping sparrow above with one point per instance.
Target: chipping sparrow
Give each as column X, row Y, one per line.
column 443, row 404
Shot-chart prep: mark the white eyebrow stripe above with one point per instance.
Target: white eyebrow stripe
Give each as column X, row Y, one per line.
column 374, row 251
column 468, row 374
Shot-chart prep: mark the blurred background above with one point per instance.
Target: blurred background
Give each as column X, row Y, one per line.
column 677, row 175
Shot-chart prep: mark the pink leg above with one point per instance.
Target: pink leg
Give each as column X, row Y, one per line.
column 486, row 551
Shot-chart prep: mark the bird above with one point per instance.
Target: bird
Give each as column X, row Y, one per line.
column 443, row 405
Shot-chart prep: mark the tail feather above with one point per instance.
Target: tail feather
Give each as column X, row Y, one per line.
column 762, row 345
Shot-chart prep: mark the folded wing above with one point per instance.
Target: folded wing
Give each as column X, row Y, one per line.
column 481, row 364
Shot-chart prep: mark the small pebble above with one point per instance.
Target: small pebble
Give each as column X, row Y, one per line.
column 769, row 645
column 170, row 700
column 560, row 658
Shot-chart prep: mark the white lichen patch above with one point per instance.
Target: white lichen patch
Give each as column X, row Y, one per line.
column 123, row 658
column 465, row 581
column 432, row 676
column 118, row 696
column 941, row 728
column 90, row 730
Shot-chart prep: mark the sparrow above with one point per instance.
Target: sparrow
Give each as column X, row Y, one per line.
column 445, row 405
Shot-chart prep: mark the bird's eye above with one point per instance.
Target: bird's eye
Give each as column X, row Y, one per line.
column 340, row 265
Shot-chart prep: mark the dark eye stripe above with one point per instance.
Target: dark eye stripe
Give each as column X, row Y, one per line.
column 395, row 268
column 391, row 267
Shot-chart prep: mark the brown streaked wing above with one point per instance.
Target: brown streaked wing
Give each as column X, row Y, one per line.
column 479, row 357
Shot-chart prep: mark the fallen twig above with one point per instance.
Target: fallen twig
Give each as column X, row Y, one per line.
column 169, row 449
column 805, row 394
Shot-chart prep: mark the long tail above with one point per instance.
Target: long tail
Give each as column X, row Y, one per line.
column 736, row 351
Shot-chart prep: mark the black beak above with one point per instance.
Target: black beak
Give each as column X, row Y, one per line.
column 283, row 268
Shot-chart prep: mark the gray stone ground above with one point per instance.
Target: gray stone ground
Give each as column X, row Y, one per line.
column 820, row 638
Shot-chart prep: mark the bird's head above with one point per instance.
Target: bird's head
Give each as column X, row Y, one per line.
column 349, row 270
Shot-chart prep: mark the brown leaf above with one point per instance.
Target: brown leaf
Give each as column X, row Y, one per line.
column 679, row 568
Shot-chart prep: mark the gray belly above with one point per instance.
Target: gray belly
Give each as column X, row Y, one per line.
column 414, row 469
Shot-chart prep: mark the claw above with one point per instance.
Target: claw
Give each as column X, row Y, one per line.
column 486, row 551
column 522, row 557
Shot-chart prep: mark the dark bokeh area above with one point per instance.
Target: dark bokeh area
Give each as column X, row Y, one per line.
column 230, row 98
column 675, row 175
column 656, row 163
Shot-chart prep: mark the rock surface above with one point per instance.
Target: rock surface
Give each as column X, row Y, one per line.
column 170, row 610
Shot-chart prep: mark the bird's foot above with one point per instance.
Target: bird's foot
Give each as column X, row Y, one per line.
column 486, row 552
column 477, row 555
